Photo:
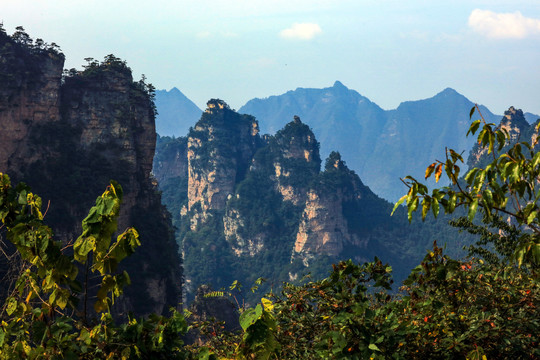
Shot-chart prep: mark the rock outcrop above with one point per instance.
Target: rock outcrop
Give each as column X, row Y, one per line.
column 220, row 149
column 170, row 161
column 296, row 160
column 30, row 80
column 67, row 136
column 332, row 201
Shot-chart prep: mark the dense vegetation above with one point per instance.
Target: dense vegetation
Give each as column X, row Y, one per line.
column 482, row 307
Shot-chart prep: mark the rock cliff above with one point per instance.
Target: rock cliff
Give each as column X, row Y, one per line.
column 66, row 136
column 296, row 160
column 30, row 80
column 220, row 149
column 324, row 228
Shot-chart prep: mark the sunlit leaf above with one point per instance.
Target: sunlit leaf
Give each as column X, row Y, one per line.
column 438, row 172
column 430, row 170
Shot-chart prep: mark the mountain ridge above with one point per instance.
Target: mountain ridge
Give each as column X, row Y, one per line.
column 380, row 145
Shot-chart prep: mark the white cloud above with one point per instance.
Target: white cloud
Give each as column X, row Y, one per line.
column 301, row 31
column 503, row 25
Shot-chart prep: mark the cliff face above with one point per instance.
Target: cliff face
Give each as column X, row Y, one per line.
column 220, row 148
column 170, row 159
column 29, row 95
column 339, row 215
column 322, row 228
column 67, row 139
column 296, row 160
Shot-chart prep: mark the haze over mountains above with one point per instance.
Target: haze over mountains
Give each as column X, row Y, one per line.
column 176, row 113
column 380, row 145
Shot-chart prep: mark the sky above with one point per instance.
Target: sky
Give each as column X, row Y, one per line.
column 388, row 50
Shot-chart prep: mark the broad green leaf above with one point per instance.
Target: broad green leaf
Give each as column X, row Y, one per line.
column 435, row 207
column 536, row 160
column 426, row 203
column 501, row 139
column 267, row 304
column 472, row 209
column 487, row 196
column 11, row 306
column 23, row 198
column 250, row 316
column 412, row 206
column 452, row 202
column 471, row 175
column 474, row 127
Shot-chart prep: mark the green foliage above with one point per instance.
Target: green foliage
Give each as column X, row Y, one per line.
column 458, row 309
column 507, row 186
column 448, row 309
column 497, row 238
column 41, row 317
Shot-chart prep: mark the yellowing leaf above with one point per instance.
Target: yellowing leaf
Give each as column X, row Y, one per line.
column 267, row 304
column 430, row 170
column 438, row 172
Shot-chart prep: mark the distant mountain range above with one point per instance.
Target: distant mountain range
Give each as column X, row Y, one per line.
column 380, row 145
column 176, row 113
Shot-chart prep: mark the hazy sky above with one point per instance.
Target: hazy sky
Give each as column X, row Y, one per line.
column 388, row 50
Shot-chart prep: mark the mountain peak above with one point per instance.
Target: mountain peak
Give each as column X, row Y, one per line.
column 449, row 91
column 339, row 84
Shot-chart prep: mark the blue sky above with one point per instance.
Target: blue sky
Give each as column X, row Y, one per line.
column 388, row 50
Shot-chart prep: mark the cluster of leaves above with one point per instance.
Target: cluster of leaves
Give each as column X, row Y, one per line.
column 507, row 186
column 44, row 318
column 447, row 309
